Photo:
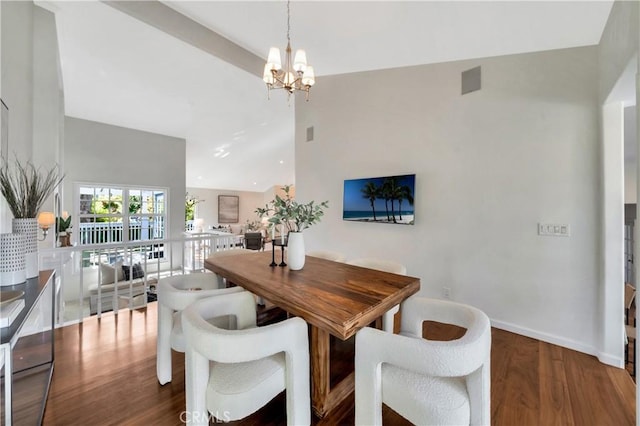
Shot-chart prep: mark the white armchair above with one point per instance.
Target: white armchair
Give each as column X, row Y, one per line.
column 174, row 294
column 385, row 266
column 231, row 374
column 426, row 382
column 234, row 252
column 328, row 254
column 225, row 253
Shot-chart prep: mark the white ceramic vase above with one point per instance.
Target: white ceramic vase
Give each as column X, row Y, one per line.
column 295, row 249
column 12, row 263
column 28, row 228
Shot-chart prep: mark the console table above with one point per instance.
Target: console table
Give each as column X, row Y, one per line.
column 27, row 352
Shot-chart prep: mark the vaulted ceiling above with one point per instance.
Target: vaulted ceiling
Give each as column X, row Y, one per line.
column 120, row 70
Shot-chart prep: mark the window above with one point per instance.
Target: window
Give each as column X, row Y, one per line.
column 191, row 211
column 120, row 214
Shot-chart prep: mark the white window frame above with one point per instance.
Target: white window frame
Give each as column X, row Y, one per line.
column 163, row 217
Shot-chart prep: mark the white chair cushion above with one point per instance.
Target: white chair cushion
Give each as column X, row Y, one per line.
column 423, row 399
column 257, row 381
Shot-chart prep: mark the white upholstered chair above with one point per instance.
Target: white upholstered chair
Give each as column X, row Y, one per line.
column 427, row 382
column 224, row 253
column 231, row 374
column 328, row 254
column 233, row 252
column 386, row 266
column 174, row 294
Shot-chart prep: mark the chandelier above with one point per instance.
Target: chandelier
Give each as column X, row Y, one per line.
column 295, row 75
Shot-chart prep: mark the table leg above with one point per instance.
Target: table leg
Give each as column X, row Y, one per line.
column 379, row 323
column 319, row 370
column 323, row 398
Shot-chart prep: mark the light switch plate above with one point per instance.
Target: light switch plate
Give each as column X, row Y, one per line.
column 554, row 229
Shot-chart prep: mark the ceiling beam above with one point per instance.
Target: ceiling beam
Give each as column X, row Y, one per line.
column 177, row 25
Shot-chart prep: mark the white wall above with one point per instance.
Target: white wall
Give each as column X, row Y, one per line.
column 31, row 88
column 630, row 155
column 619, row 43
column 270, row 194
column 489, row 165
column 208, row 209
column 616, row 52
column 17, row 75
column 48, row 101
column 17, row 83
column 104, row 154
column 611, row 289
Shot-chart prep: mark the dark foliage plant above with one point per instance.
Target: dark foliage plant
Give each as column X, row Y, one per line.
column 26, row 188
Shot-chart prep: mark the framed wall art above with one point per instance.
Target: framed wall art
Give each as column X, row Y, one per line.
column 385, row 199
column 228, row 208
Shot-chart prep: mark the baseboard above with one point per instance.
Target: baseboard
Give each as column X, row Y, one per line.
column 605, row 358
column 614, row 361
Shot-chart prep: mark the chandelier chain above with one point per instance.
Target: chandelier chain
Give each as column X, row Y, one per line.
column 288, row 20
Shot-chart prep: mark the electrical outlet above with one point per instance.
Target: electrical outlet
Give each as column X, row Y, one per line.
column 446, row 292
column 554, row 230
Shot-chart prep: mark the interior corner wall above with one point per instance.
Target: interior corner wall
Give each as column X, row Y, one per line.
column 612, row 272
column 47, row 90
column 17, row 74
column 104, row 154
column 208, row 209
column 270, row 194
column 630, row 163
column 48, row 101
column 618, row 44
column 31, row 87
column 490, row 166
column 17, row 83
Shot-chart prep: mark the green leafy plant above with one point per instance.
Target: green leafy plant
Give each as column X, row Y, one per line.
column 26, row 187
column 254, row 225
column 63, row 224
column 191, row 201
column 295, row 216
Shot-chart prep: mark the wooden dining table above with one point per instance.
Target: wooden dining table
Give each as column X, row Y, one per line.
column 334, row 298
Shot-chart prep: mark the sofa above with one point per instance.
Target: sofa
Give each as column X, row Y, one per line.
column 131, row 287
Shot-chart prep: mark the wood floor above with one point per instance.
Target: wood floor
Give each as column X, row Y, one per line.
column 105, row 375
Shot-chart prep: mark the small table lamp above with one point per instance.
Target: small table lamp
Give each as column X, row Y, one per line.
column 45, row 221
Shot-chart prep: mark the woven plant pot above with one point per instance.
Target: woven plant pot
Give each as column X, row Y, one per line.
column 29, row 229
column 12, row 260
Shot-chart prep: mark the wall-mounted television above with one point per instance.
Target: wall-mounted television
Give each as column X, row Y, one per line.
column 386, row 199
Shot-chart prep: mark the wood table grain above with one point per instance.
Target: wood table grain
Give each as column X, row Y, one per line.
column 334, row 298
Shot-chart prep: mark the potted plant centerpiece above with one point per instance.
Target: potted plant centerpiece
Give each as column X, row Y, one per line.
column 294, row 217
column 26, row 188
column 64, row 235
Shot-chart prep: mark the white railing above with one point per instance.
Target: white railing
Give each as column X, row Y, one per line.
column 199, row 245
column 78, row 271
column 111, row 232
